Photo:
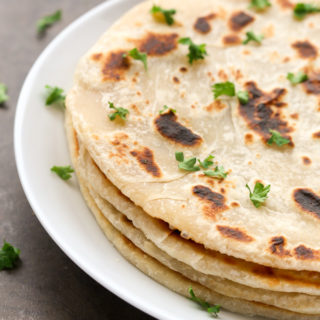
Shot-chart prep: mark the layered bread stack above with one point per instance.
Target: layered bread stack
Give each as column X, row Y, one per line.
column 132, row 129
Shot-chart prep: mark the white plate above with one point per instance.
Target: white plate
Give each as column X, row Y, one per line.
column 40, row 143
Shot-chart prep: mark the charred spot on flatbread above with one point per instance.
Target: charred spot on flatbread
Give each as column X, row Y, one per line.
column 263, row 112
column 115, row 66
column 307, row 201
column 234, row 233
column 158, row 44
column 168, row 126
column 146, row 160
column 202, row 24
column 306, row 160
column 277, row 246
column 214, row 202
column 285, row 4
column 305, row 49
column 312, row 85
column 231, row 40
column 304, row 253
column 316, row 135
column 239, row 20
column 97, row 56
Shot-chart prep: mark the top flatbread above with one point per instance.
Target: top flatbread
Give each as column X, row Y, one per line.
column 138, row 155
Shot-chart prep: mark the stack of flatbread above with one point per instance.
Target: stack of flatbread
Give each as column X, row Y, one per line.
column 185, row 228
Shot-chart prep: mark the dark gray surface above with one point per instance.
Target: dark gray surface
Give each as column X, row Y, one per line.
column 46, row 284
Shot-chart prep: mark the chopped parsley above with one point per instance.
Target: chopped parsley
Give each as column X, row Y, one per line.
column 165, row 108
column 187, row 165
column 196, row 52
column 207, row 162
column 223, row 88
column 3, row 93
column 55, row 95
column 277, row 138
column 260, row 5
column 302, row 9
column 299, row 77
column 251, row 36
column 157, row 11
column 243, row 96
column 137, row 55
column 63, row 172
column 259, row 194
column 212, row 310
column 120, row 112
column 8, row 256
column 47, row 21
column 218, row 172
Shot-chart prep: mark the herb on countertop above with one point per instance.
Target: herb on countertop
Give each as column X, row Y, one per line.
column 47, row 21
column 260, row 5
column 137, row 55
column 251, row 36
column 212, row 310
column 218, row 172
column 8, row 256
column 223, row 89
column 159, row 13
column 259, row 194
column 302, row 9
column 207, row 162
column 196, row 52
column 3, row 93
column 299, row 77
column 277, row 138
column 187, row 165
column 120, row 112
column 165, row 108
column 55, row 95
column 63, row 172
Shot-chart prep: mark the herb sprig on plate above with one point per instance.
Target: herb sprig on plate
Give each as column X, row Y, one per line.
column 160, row 13
column 259, row 193
column 196, row 52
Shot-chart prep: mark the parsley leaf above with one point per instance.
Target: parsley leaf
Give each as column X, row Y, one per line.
column 297, row 78
column 47, row 21
column 137, row 55
column 207, row 162
column 187, row 165
column 302, row 9
column 259, row 194
column 196, row 52
column 54, row 95
column 260, row 4
column 212, row 310
column 243, row 96
column 223, row 88
column 166, row 14
column 165, row 108
column 251, row 36
column 63, row 172
column 120, row 112
column 218, row 172
column 3, row 93
column 277, row 138
column 8, row 256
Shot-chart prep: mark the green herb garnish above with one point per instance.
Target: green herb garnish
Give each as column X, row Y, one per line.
column 223, row 89
column 277, row 138
column 137, row 55
column 243, row 96
column 260, row 5
column 196, row 52
column 165, row 108
column 166, row 14
column 299, row 77
column 259, row 194
column 302, row 9
column 8, row 256
column 55, row 95
column 251, row 36
column 3, row 93
column 120, row 112
column 187, row 165
column 47, row 21
column 63, row 172
column 218, row 172
column 212, row 310
column 207, row 162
